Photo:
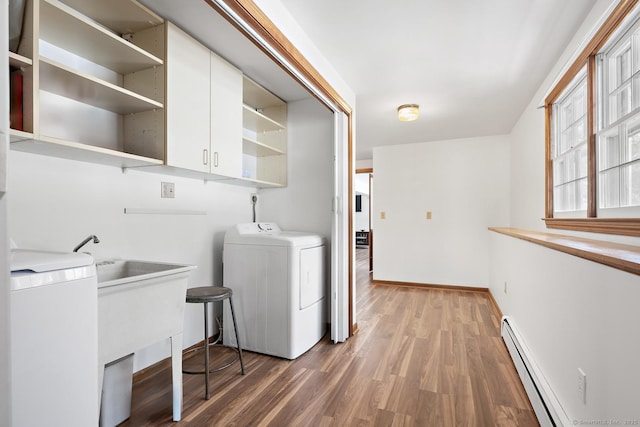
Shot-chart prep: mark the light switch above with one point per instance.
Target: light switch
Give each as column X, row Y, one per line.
column 428, row 214
column 383, row 215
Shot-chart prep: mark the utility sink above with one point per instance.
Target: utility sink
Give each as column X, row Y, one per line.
column 141, row 303
column 119, row 271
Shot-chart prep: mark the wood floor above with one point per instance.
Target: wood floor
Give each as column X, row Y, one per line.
column 422, row 357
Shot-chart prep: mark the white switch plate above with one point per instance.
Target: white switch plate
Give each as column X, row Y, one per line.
column 167, row 190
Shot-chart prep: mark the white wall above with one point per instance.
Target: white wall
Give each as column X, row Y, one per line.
column 464, row 183
column 5, row 326
column 55, row 203
column 572, row 313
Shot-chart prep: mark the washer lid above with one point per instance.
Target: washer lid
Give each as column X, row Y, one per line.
column 41, row 261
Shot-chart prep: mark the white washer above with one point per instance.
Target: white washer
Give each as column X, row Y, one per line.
column 54, row 339
column 279, row 284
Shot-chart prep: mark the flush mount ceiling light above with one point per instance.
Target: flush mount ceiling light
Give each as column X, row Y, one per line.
column 408, row 112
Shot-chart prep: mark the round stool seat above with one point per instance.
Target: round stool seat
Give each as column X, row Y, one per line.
column 208, row 294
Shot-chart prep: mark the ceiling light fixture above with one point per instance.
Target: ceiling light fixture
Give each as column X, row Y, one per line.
column 408, row 112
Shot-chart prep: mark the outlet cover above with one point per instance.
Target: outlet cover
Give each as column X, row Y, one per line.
column 167, row 190
column 582, row 386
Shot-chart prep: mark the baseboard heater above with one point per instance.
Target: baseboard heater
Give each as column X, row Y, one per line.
column 544, row 402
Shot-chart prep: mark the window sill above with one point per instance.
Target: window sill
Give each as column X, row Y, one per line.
column 621, row 226
column 615, row 255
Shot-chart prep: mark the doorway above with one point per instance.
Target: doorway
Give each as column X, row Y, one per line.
column 362, row 225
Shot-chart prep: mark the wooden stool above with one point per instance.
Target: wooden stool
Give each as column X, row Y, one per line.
column 205, row 295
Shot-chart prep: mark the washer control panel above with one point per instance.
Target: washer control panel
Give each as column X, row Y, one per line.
column 258, row 228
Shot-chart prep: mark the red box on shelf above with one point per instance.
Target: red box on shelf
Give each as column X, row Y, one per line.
column 15, row 112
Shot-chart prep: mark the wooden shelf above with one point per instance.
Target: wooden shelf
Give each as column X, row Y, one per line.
column 62, row 80
column 19, row 61
column 87, row 153
column 258, row 149
column 122, row 16
column 64, row 27
column 616, row 255
column 258, row 122
column 249, row 182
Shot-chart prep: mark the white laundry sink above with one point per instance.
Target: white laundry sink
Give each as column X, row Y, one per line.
column 141, row 303
column 119, row 271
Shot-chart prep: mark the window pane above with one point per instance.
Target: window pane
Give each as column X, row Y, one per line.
column 569, row 147
column 609, row 188
column 608, row 150
column 630, row 185
column 631, row 150
column 581, row 161
column 582, row 194
column 619, row 103
column 566, row 141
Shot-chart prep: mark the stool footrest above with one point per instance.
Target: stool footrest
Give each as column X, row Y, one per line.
column 220, row 368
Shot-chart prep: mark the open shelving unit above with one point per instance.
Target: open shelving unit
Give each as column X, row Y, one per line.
column 264, row 141
column 90, row 90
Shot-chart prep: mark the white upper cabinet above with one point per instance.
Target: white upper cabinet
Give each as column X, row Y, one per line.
column 188, row 88
column 226, row 118
column 204, row 108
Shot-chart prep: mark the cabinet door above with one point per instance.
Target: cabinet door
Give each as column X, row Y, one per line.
column 187, row 101
column 226, row 118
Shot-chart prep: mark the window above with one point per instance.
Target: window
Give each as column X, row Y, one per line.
column 569, row 147
column 593, row 133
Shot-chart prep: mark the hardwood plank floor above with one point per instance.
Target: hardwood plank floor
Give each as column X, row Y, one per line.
column 422, row 357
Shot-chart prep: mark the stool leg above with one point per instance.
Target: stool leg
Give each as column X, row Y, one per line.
column 235, row 327
column 206, row 352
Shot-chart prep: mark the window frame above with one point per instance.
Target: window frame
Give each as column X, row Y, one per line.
column 587, row 58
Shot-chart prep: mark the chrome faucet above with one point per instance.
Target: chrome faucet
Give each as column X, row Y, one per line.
column 85, row 241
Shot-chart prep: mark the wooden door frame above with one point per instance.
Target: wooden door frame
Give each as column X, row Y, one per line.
column 258, row 22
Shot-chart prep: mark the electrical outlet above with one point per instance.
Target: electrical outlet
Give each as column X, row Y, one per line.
column 254, row 198
column 429, row 215
column 505, row 287
column 383, row 215
column 167, row 190
column 582, row 386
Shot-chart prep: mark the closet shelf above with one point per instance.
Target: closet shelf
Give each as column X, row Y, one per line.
column 62, row 26
column 19, row 61
column 258, row 149
column 64, row 81
column 83, row 152
column 122, row 16
column 258, row 122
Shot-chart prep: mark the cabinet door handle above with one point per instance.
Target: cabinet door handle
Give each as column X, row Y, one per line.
column 205, row 157
column 215, row 159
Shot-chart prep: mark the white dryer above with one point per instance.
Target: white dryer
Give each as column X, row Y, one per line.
column 279, row 284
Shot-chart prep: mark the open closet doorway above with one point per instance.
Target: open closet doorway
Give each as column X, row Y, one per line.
column 363, row 186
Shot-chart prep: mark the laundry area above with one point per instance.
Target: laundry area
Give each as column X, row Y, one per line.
column 75, row 171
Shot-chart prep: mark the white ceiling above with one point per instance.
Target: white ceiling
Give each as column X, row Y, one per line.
column 471, row 65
